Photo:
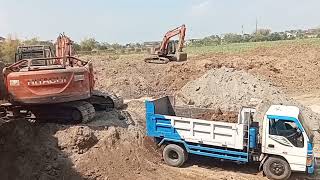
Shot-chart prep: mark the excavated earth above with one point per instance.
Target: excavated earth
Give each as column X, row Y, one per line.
column 114, row 145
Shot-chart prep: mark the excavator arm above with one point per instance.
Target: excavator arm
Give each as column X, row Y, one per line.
column 181, row 31
column 64, row 49
column 64, row 46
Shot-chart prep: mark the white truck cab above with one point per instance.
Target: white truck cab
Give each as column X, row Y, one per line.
column 286, row 137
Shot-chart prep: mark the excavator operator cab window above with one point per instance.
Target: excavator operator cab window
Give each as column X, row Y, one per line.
column 172, row 47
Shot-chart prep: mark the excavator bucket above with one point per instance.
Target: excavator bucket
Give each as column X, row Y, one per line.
column 181, row 56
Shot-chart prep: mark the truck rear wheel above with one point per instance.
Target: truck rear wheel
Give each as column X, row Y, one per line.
column 276, row 168
column 174, row 155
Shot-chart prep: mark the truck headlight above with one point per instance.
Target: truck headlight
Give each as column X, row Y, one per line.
column 14, row 82
column 309, row 159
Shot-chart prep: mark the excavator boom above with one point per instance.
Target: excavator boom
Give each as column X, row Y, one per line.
column 181, row 31
column 64, row 46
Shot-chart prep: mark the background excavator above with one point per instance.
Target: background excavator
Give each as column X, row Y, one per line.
column 169, row 50
column 52, row 86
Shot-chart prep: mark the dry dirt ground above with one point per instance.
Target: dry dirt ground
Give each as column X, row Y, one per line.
column 114, row 146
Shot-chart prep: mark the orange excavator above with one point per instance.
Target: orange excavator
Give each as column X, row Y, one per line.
column 169, row 50
column 48, row 86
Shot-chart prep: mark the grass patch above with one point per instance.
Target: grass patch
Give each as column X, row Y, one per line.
column 243, row 47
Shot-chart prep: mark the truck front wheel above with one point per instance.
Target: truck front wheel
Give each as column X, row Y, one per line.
column 174, row 155
column 276, row 168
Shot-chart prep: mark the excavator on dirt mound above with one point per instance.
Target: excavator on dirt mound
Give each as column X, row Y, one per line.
column 169, row 50
column 48, row 86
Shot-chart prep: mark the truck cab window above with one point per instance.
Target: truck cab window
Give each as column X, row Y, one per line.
column 287, row 129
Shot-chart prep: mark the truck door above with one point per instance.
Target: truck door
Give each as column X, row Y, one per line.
column 285, row 137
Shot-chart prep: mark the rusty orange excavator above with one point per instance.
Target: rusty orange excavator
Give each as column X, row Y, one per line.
column 52, row 86
column 169, row 50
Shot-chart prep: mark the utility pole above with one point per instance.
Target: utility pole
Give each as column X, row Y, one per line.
column 256, row 25
column 242, row 30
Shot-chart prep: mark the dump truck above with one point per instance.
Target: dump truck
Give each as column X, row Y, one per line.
column 282, row 143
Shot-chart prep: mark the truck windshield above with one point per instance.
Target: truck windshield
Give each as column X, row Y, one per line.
column 306, row 127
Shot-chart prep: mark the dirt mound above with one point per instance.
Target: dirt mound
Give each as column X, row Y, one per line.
column 30, row 151
column 229, row 90
column 76, row 139
column 131, row 77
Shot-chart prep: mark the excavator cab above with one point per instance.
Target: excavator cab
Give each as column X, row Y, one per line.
column 33, row 52
column 172, row 47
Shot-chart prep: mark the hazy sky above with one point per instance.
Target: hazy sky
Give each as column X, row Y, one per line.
column 145, row 20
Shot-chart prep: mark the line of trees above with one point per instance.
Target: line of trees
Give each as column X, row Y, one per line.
column 9, row 46
column 91, row 44
column 258, row 36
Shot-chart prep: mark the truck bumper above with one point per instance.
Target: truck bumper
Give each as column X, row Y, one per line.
column 311, row 169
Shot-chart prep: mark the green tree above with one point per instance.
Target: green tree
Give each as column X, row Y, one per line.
column 275, row 37
column 76, row 46
column 88, row 44
column 232, row 38
column 104, row 46
column 32, row 41
column 8, row 49
column 116, row 46
column 263, row 32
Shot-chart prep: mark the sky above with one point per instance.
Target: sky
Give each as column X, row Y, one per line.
column 125, row 21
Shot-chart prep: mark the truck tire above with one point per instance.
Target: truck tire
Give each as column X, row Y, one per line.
column 276, row 168
column 174, row 155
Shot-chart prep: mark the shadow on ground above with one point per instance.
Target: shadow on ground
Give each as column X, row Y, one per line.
column 30, row 151
column 252, row 169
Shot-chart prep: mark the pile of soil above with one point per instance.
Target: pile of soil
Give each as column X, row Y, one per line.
column 229, row 90
column 220, row 116
column 292, row 67
column 30, row 151
column 112, row 146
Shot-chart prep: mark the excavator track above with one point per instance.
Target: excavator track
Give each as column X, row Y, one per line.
column 157, row 60
column 105, row 100
column 70, row 112
column 86, row 110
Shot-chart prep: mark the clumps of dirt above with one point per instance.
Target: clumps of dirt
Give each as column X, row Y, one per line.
column 223, row 117
column 207, row 114
column 30, row 151
column 110, row 147
column 225, row 89
column 229, row 90
column 131, row 77
column 226, row 116
column 76, row 139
